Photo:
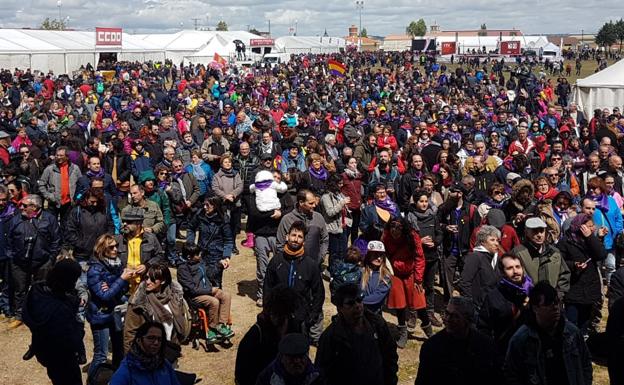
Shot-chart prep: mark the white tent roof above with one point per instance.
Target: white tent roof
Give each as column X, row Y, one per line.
column 190, row 40
column 309, row 44
column 45, row 41
column 551, row 47
column 610, row 77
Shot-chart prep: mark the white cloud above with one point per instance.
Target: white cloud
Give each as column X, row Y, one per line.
column 380, row 17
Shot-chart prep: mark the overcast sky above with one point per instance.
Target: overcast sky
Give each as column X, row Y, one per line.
column 313, row 17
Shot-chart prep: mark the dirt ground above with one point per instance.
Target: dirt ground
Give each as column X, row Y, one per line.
column 215, row 368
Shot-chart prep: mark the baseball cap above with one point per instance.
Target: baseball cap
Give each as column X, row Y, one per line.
column 376, row 246
column 535, row 223
column 132, row 214
column 4, row 134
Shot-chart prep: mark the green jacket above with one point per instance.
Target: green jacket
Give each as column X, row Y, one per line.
column 546, row 266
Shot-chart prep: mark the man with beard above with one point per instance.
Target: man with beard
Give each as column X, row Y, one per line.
column 136, row 120
column 548, row 349
column 357, row 347
column 386, row 173
column 543, row 262
column 504, row 307
column 293, row 268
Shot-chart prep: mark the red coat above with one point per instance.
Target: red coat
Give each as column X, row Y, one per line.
column 405, row 260
column 389, row 141
column 352, row 188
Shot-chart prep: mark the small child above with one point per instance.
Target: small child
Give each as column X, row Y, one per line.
column 266, row 189
column 348, row 270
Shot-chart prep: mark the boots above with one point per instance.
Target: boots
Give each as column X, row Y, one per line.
column 402, row 341
column 434, row 320
column 427, row 329
column 411, row 319
column 249, row 242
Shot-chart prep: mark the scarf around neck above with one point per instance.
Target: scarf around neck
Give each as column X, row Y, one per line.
column 388, row 205
column 293, row 254
column 321, row 174
column 139, row 359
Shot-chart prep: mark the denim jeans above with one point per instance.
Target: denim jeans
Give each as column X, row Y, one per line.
column 337, row 249
column 172, row 255
column 101, row 335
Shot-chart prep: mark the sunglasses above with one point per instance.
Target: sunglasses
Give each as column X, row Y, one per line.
column 111, row 247
column 497, row 192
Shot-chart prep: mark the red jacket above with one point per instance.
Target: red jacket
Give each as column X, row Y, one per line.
column 404, row 258
column 390, row 141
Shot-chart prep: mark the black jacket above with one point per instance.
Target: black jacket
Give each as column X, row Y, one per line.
column 51, row 318
column 448, row 360
column 33, row 241
column 83, row 228
column 616, row 286
column 195, row 279
column 585, row 287
column 124, row 165
column 615, row 335
column 468, row 220
column 347, row 358
column 478, row 276
column 305, row 280
column 427, row 225
column 410, row 182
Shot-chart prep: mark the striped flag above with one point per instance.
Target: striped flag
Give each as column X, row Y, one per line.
column 336, row 67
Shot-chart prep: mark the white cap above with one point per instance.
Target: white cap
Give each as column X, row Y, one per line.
column 376, row 246
column 535, row 223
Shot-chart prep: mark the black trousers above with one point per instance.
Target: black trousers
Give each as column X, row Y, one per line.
column 64, row 371
column 451, row 264
column 431, row 267
column 21, row 279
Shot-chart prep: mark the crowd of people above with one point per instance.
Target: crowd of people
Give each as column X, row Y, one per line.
column 476, row 204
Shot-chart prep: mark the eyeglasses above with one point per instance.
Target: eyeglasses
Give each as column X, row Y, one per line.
column 163, row 173
column 555, row 158
column 111, row 247
column 498, row 192
column 551, row 175
column 153, row 339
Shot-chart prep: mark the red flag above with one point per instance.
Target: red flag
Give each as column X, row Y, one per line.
column 219, row 59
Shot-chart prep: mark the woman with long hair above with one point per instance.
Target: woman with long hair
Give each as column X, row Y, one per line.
column 376, row 277
column 145, row 362
column 107, row 281
column 158, row 298
column 228, row 185
column 215, row 238
column 405, row 253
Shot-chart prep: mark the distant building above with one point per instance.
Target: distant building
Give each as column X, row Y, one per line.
column 368, row 44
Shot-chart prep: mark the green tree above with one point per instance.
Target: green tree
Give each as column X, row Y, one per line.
column 254, row 31
column 364, row 33
column 53, row 24
column 416, row 28
column 222, row 26
column 607, row 35
column 619, row 30
column 483, row 30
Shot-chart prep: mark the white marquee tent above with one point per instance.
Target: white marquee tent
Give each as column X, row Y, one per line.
column 309, row 44
column 65, row 51
column 604, row 89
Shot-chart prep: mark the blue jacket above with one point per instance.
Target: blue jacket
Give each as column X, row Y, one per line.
column 205, row 185
column 215, row 237
column 131, row 372
column 5, row 216
column 375, row 292
column 612, row 220
column 288, row 162
column 102, row 303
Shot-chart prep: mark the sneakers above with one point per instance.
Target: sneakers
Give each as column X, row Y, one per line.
column 29, row 354
column 225, row 331
column 212, row 337
column 259, row 302
column 15, row 324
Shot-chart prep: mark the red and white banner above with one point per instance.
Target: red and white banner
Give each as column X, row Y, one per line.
column 261, row 42
column 448, row 48
column 510, row 48
column 108, row 36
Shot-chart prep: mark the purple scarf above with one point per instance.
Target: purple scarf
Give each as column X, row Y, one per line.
column 602, row 201
column 163, row 184
column 263, row 185
column 99, row 174
column 527, row 284
column 321, row 174
column 388, row 205
column 9, row 210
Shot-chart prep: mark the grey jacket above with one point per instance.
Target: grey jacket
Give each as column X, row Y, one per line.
column 153, row 217
column 525, row 359
column 316, row 240
column 224, row 184
column 206, row 149
column 331, row 207
column 50, row 183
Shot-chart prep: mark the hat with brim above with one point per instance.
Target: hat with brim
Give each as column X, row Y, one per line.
column 535, row 223
column 132, row 214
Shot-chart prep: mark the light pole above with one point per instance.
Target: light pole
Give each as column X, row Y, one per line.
column 360, row 6
column 59, row 4
column 582, row 45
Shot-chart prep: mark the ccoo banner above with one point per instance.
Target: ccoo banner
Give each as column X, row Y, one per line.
column 510, row 48
column 108, row 36
column 448, row 48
